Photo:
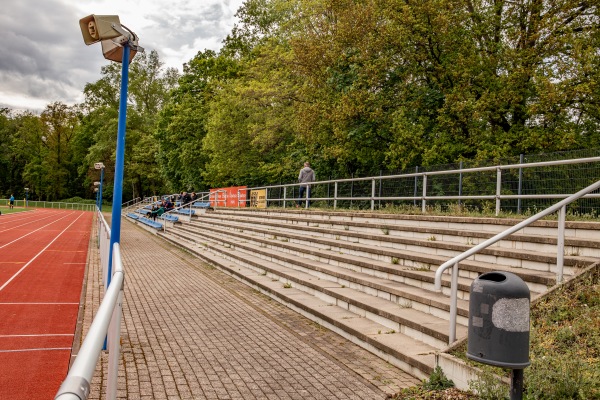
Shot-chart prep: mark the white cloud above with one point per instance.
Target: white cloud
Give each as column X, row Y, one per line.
column 43, row 58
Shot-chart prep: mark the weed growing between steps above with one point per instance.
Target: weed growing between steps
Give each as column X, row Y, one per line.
column 438, row 387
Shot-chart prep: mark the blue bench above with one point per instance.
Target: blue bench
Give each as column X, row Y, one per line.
column 143, row 211
column 186, row 211
column 133, row 216
column 170, row 217
column 149, row 222
column 202, row 204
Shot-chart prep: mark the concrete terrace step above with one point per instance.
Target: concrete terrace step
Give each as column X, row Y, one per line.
column 470, row 234
column 574, row 230
column 399, row 293
column 412, row 355
column 387, row 260
column 370, row 276
column 515, row 257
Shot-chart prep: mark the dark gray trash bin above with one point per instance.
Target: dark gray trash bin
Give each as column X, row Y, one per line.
column 499, row 321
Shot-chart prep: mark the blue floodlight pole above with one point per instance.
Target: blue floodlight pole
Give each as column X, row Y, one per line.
column 115, row 228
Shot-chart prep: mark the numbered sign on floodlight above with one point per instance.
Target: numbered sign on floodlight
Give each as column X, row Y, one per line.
column 96, row 28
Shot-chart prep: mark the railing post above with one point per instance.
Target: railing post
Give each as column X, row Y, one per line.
column 423, row 201
column 335, row 191
column 416, row 184
column 453, row 304
column 351, row 189
column 520, row 184
column 114, row 346
column 560, row 251
column 372, row 194
column 380, row 186
column 284, row 195
column 306, row 196
column 498, row 189
column 460, row 179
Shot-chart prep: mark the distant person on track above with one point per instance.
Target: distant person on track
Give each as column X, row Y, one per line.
column 11, row 202
column 306, row 176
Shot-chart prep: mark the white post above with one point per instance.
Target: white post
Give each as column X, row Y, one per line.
column 453, row 303
column 498, row 189
column 560, row 251
column 335, row 187
column 423, row 201
column 372, row 194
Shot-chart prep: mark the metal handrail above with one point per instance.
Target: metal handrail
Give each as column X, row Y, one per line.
column 453, row 262
column 107, row 321
column 130, row 202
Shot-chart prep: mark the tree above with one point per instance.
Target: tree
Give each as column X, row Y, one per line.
column 181, row 127
column 149, row 85
column 59, row 126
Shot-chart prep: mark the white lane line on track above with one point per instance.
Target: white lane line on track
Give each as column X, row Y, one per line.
column 38, row 254
column 32, row 232
column 25, row 350
column 41, row 335
column 9, row 218
column 38, row 304
column 27, row 223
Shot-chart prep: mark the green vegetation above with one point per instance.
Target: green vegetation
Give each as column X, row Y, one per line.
column 353, row 86
column 6, row 210
column 564, row 349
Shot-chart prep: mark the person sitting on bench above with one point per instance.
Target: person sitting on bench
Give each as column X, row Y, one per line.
column 157, row 212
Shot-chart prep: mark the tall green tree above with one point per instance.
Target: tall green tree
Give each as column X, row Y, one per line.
column 149, row 85
column 60, row 123
column 393, row 84
column 181, row 127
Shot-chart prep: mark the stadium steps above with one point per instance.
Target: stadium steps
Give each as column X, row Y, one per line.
column 369, row 277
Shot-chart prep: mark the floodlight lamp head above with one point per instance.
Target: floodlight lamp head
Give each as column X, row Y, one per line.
column 112, row 49
column 95, row 28
column 98, row 165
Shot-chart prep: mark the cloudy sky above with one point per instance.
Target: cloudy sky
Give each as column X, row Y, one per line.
column 43, row 58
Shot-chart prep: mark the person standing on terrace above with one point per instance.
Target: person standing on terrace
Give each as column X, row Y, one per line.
column 306, row 176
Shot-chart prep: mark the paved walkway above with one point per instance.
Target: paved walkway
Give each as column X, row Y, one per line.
column 191, row 332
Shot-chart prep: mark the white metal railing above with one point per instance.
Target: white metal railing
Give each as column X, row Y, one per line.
column 131, row 202
column 560, row 207
column 424, row 197
column 52, row 204
column 107, row 321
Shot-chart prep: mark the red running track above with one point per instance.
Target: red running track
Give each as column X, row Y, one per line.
column 43, row 256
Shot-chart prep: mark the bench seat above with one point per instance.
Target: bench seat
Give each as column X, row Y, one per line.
column 149, row 222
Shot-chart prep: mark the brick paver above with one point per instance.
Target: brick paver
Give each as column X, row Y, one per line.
column 192, row 332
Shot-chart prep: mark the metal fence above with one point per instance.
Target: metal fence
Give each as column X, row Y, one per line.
column 51, row 204
column 525, row 187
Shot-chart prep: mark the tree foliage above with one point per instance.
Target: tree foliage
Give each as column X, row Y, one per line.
column 354, row 86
